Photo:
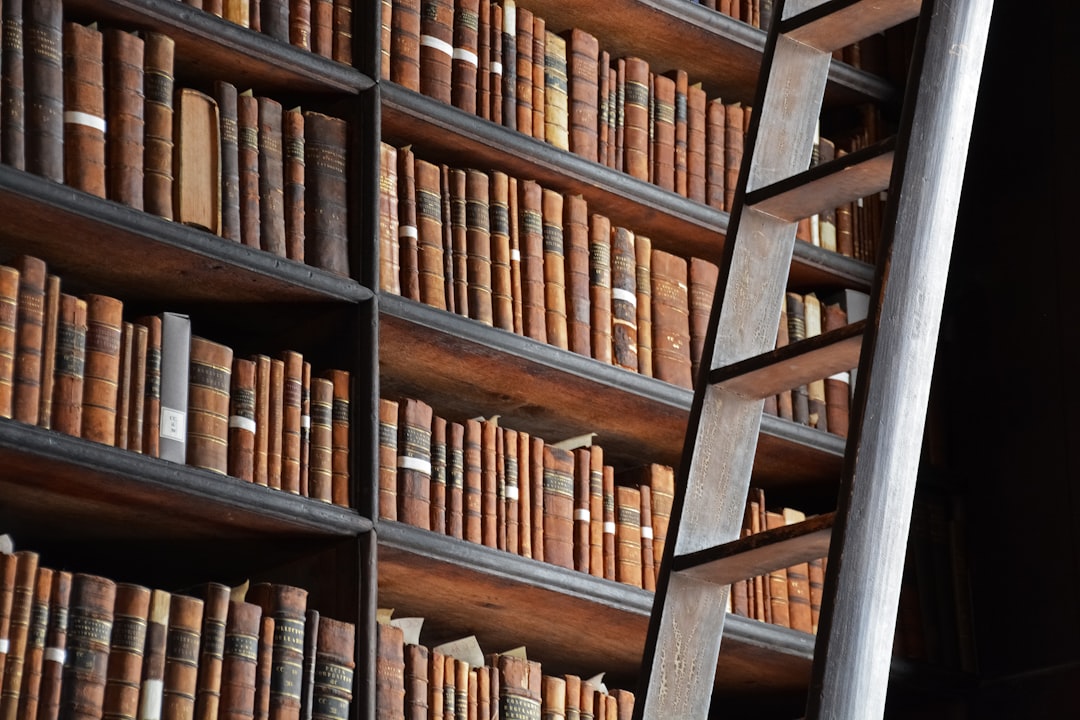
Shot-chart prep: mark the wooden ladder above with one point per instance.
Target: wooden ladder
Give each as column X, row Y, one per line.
column 922, row 168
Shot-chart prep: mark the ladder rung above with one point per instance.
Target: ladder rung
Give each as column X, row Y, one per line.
column 839, row 23
column 793, row 365
column 829, row 185
column 759, row 553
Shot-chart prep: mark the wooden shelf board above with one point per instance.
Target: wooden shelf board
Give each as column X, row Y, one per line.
column 83, row 490
column 570, row 621
column 832, row 25
column 464, row 368
column 83, row 237
column 210, row 47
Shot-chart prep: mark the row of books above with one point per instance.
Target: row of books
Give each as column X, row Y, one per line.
column 477, row 480
column 108, row 121
column 75, row 365
column 322, row 26
column 415, row 682
column 81, row 645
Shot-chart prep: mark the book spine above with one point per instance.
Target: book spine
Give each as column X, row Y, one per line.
column 12, row 94
column 389, row 249
column 293, row 168
column 429, row 223
column 247, row 148
column 596, row 511
column 556, row 90
column 539, row 92
column 408, row 234
column 778, row 580
column 153, row 666
column 340, row 437
column 784, row 404
column 175, row 367
column 465, row 61
column 495, row 63
column 312, row 622
column 734, row 118
column 125, row 114
column 300, row 24
column 55, row 647
column 553, row 698
column 210, row 378
column 671, row 319
column 628, row 565
column 9, row 319
column 436, row 692
column 532, row 241
column 508, row 111
column 343, row 24
column 390, row 685
column 44, row 83
column 577, row 276
column 554, row 270
column 405, row 44
column 102, row 368
column 662, row 491
column 389, row 413
column 796, row 317
column 715, row 150
column 604, row 139
column 798, row 577
column 136, row 409
column 334, row 668
column 123, row 389
column 439, row 470
column 472, row 502
column 525, row 502
column 643, row 272
column 89, row 632
column 8, row 566
column 520, row 687
column 837, row 386
column 455, row 240
column 158, row 156
column 703, row 277
column 573, row 697
column 478, row 246
column 152, row 391
column 696, row 143
column 608, row 489
column 237, row 11
column 271, row 177
column 664, row 130
column 211, row 651
column 524, row 46
column 490, row 514
column 624, row 300
column 455, row 480
column 321, row 464
column 636, row 119
column 558, row 504
column 126, row 651
column 241, row 448
column 291, row 420
column 815, row 389
column 28, row 339
column 264, row 666
column 322, row 27
column 502, row 285
column 436, row 48
column 483, row 59
column 516, row 287
column 326, row 193
column 582, row 515
column 287, row 605
column 181, row 658
column 414, row 463
column 51, row 321
column 648, row 560
column 240, row 654
column 512, row 494
column 18, row 636
column 583, row 56
column 682, row 131
column 537, row 468
column 274, row 19
column 275, row 409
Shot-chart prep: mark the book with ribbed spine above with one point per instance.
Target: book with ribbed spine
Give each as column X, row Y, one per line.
column 264, row 666
column 778, row 580
column 18, row 635
column 671, row 319
column 520, row 687
column 483, row 59
column 735, row 116
column 125, row 115
column 389, row 412
column 261, row 473
column 682, row 129
column 291, row 419
column 577, row 277
column 287, row 606
column 796, row 325
column 9, row 318
column 153, row 666
column 465, row 61
column 436, row 48
column 210, row 378
column 516, row 286
column 136, row 398
column 604, row 122
column 696, row 142
column 334, row 668
column 554, row 269
column 478, row 248
column 648, row 557
column 158, row 146
column 600, row 288
column 502, row 292
column 238, row 663
column 439, row 470
column 532, row 241
column 512, row 494
column 224, row 95
column 300, row 23
column 537, row 474
column 271, row 177
column 389, row 262
column 715, row 154
column 247, row 148
column 495, row 63
column 408, row 251
column 558, row 503
column 50, row 328
column 490, row 512
column 455, row 480
column 89, row 632
column 322, row 29
column 455, row 240
column 12, row 94
column 429, row 224
column 44, row 86
column 643, row 284
column 325, row 193
column 524, row 485
column 837, row 386
column 181, row 657
column 583, row 71
column 275, row 411
column 636, row 119
column 343, row 23
column 539, row 91
column 553, row 697
column 628, row 565
column 815, row 389
column 702, row 279
column 126, row 652
column 414, row 463
column 29, row 336
column 663, row 132
column 524, row 46
column 123, row 389
column 151, row 400
column 321, row 451
column 390, row 685
column 8, row 565
column 582, row 515
column 798, row 577
column 102, row 368
column 55, row 646
column 436, row 691
column 472, row 501
column 215, row 597
column 292, row 139
column 241, row 440
column 508, row 110
column 556, row 98
column 340, row 436
column 624, row 299
column 405, row 44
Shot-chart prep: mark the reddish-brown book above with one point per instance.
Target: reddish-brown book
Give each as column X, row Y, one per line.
column 439, row 470
column 636, row 119
column 784, row 404
column 153, row 668
column 778, row 580
column 502, row 292
column 525, row 495
column 464, row 59
column 617, row 116
column 663, row 135
column 670, row 319
column 390, row 687
column 44, row 83
column 321, row 450
column 798, row 577
column 648, row 559
column 455, row 240
column 596, row 511
column 181, row 658
column 271, row 176
column 209, row 380
column 334, row 668
column 408, row 251
column 554, row 269
column 703, row 276
column 300, row 23
column 158, row 148
column 89, row 632
column 553, row 697
column 490, row 512
column 55, row 646
column 322, row 28
column 682, row 129
column 123, row 387
column 532, row 241
column 556, row 92
column 50, row 322
column 511, row 504
column 696, row 143
column 241, row 450
column 495, row 62
column 735, row 116
column 483, row 59
column 539, row 91
column 472, row 501
column 837, row 386
column 29, row 336
column 715, row 152
column 8, row 564
column 389, row 428
column 18, row 636
column 582, row 516
column 287, row 606
column 102, row 368
column 9, row 317
column 292, row 136
column 558, row 506
column 478, row 247
column 516, row 287
column 436, row 691
column 608, row 489
column 643, row 273
column 577, row 278
column 340, row 436
column 389, row 257
column 436, row 48
column 12, row 96
column 520, row 686
column 325, row 193
column 429, row 222
column 275, row 408
column 405, row 44
column 215, row 597
column 524, row 46
column 125, row 114
column 815, row 389
column 796, row 317
column 247, row 121
column 126, row 652
column 238, row 663
column 455, row 480
column 583, row 69
column 152, row 396
column 136, row 398
column 628, row 565
column 600, row 288
column 508, row 111
column 291, row 419
column 624, row 299
column 414, row 463
column 604, row 120
column 264, row 666
column 343, row 23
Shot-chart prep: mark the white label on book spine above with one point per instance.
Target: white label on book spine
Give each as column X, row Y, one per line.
column 512, row 492
column 305, row 422
column 582, row 514
column 74, row 117
column 173, row 424
column 466, row 56
column 407, row 231
column 646, row 532
column 242, row 423
column 496, row 68
column 624, row 295
column 436, row 44
column 515, row 255
column 609, row 528
column 410, row 463
column 4, row 645
column 150, row 700
column 842, row 377
column 56, row 655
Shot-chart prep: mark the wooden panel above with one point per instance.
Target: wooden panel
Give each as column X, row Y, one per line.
column 208, row 47
column 759, row 553
column 793, row 365
column 833, row 25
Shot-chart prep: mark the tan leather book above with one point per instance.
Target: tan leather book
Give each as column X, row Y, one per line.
column 305, row 427
column 8, row 565
column 237, row 11
column 126, row 651
column 291, row 420
column 796, row 317
column 436, row 48
column 663, row 136
column 390, row 686
column 320, row 485
column 596, row 511
column 483, row 692
column 136, row 398
column 511, row 488
column 539, row 68
column 417, row 665
column 734, row 119
column 326, row 193
column 414, row 463
column 624, row 299
column 455, row 240
column 125, row 114
column 18, row 636
column 778, row 580
column 439, row 475
column 628, row 565
column 837, row 386
column 583, row 70
column 643, row 285
column 429, row 224
column 9, row 318
column 625, row 701
column 334, row 667
column 102, row 369
column 455, row 480
column 462, row 686
column 210, row 378
column 407, row 226
column 600, row 319
column 271, row 176
column 44, row 83
column 261, row 475
column 702, row 280
column 152, row 389
column 587, row 702
column 558, row 504
column 88, row 637
column 502, row 285
column 608, row 487
column 576, row 274
column 478, row 246
column 389, row 262
column 29, row 337
column 123, row 389
column 798, row 577
column 465, row 62
column 554, row 269
column 153, row 667
column 322, row 29
column 241, row 449
column 507, row 112
column 531, row 234
column 240, row 653
column 715, row 154
column 340, row 436
column 12, row 96
column 300, row 23
column 472, row 501
column 405, row 44
column 181, row 657
column 247, row 145
column 343, row 23
column 158, row 160
column 520, row 687
column 636, row 119
column 52, row 669
column 573, row 697
column 516, row 254
column 495, row 48
column 582, row 516
column 490, row 513
column 264, row 668
column 648, row 559
column 483, row 59
column 292, row 137
column 287, row 606
column 50, row 324
column 696, row 143
column 389, row 428
column 671, row 319
column 553, row 698
column 556, row 92
column 524, row 46
column 815, row 389
column 536, row 465
column 215, row 597
column 274, row 419
column 525, row 495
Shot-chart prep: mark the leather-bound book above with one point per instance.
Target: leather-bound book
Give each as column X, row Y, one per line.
column 576, row 252
column 389, row 258
column 600, row 288
column 215, row 597
column 436, row 691
column 305, row 426
column 241, row 451
column 50, row 322
column 837, row 386
column 643, row 283
column 12, row 96
column 455, row 480
column 539, row 92
column 478, row 246
column 89, row 632
column 520, row 687
column 55, row 647
column 408, row 252
column 84, row 103
column 798, row 577
column 126, row 652
column 292, row 133
column 682, row 129
column 271, row 177
column 274, row 19
column 558, row 507
column 636, row 119
column 582, row 516
column 300, row 23
column 198, row 184
column 604, row 120
column 320, row 484
column 8, row 566
column 181, row 658
column 617, row 115
column 389, row 428
column 326, row 193
column 784, row 399
column 287, row 606
column 556, row 97
column 553, row 698
column 648, row 558
column 237, row 11
column 554, row 269
column 516, row 287
column 625, row 700
column 436, row 48
column 9, row 318
column 429, row 222
column 660, row 480
column 583, row 70
column 573, row 697
column 261, row 474
column 210, row 377
column 405, row 44
column 291, row 420
column 796, row 316
column 152, row 387
column 735, row 116
column 827, row 219
column 524, row 46
column 531, row 233
column 136, row 398
column 462, row 686
column 537, row 472
column 495, row 63
column 472, row 454
column 845, row 242
column 490, row 500
column 816, row 583
column 483, row 59
column 153, row 668
column 508, row 109
column 778, row 580
column 696, row 145
column 671, row 319
column 414, row 463
column 525, row 499
column 343, row 24
column 175, row 369
column 275, row 408
column 247, row 121
column 417, row 663
column 390, row 685
column 512, row 493
column 624, row 299
column 502, row 299
column 238, row 662
column 703, row 277
column 608, row 488
column 44, row 84
column 125, row 115
column 322, row 28
column 663, row 142
column 264, row 666
column 29, row 336
column 312, row 621
column 628, row 566
column 465, row 62
column 455, row 240
column 715, row 153
column 439, row 472
column 158, row 149
column 587, row 702
column 334, row 669
column 340, row 436
column 102, row 368
column 123, row 386
column 815, row 389
column 596, row 511
column 18, row 636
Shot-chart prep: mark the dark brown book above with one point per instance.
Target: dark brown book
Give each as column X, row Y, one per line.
column 643, row 282
column 558, row 503
column 305, row 428
column 429, row 222
column 502, row 294
column 158, row 156
column 516, row 287
column 389, row 428
column 648, row 557
column 604, row 120
column 483, row 59
column 390, row 673
column 334, row 667
column 340, row 436
column 608, row 489
column 102, row 368
column 247, row 121
column 556, row 95
column 136, row 398
column 322, row 28
column 577, row 278
column 520, row 687
column 238, row 663
column 582, row 515
column 414, row 463
column 455, row 480
column 553, row 698
column 624, row 299
column 532, row 241
column 439, row 472
column 343, row 24
column 405, row 44
column 9, row 318
column 583, row 70
column 300, row 23
column 215, row 597
column 600, row 288
column 436, row 694
column 153, row 665
column 209, row 378
column 50, row 323
column 44, row 86
column 55, row 647
column 455, row 240
column 34, row 655
column 89, row 632
column 287, row 606
column 389, row 253
column 326, row 193
column 636, row 119
column 617, row 115
column 152, row 393
column 264, row 666
column 196, row 166
column 241, row 449
column 291, row 420
column 524, row 46
column 312, row 622
column 181, row 658
column 628, row 564
column 472, row 501
column 703, row 276
column 436, row 48
column 664, row 131
column 671, row 319
column 408, row 251
column 271, row 176
column 123, row 386
column 554, row 269
column 478, row 246
column 796, row 317
column 275, row 408
column 507, row 112
column 321, row 464
column 495, row 63
column 537, row 477
column 274, row 19
column 125, row 115
column 465, row 60
column 511, row 503
column 126, row 652
column 715, row 151
column 29, row 336
column 12, row 95
column 18, row 635
column 490, row 501
column 837, row 386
